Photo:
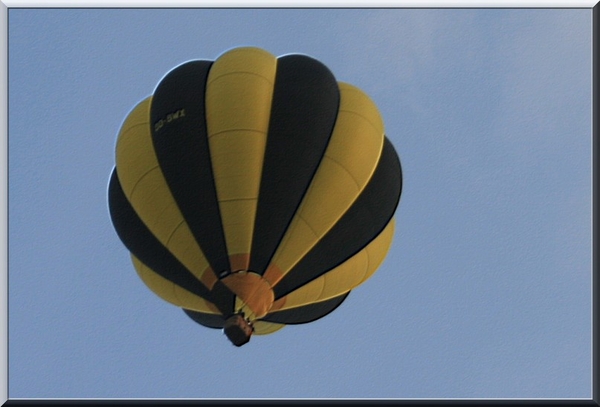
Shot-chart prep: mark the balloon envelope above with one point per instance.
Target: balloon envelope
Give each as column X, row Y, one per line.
column 253, row 191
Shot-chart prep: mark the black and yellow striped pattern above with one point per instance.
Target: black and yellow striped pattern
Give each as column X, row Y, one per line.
column 255, row 184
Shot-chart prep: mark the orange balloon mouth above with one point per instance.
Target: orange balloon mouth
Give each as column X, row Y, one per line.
column 254, row 293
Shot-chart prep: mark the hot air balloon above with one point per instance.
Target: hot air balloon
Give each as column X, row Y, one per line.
column 254, row 191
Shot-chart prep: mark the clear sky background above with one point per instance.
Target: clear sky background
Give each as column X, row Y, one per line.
column 486, row 291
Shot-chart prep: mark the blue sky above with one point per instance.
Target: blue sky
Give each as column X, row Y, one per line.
column 486, row 292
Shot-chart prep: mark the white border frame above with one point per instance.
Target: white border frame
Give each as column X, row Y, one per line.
column 6, row 4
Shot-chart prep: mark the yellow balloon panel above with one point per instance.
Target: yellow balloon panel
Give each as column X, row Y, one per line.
column 146, row 189
column 298, row 239
column 188, row 252
column 348, row 164
column 238, row 223
column 134, row 157
column 359, row 102
column 244, row 59
column 378, row 252
column 238, row 104
column 170, row 291
column 328, row 197
column 266, row 328
column 237, row 159
column 153, row 201
column 346, row 276
column 324, row 203
column 238, row 101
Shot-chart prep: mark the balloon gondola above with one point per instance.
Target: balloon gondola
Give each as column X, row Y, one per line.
column 253, row 191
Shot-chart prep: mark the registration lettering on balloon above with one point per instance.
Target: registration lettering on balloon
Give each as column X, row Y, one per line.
column 168, row 119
